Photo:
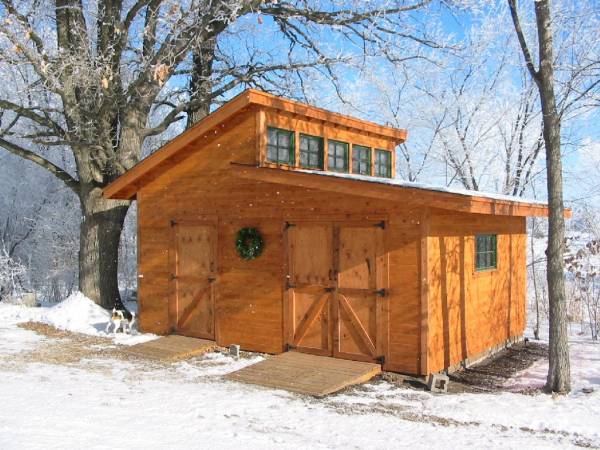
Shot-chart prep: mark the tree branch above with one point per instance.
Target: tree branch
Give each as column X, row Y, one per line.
column 55, row 170
column 512, row 4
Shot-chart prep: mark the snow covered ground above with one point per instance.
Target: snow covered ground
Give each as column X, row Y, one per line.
column 103, row 401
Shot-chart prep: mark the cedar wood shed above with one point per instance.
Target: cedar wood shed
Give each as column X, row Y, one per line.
column 355, row 264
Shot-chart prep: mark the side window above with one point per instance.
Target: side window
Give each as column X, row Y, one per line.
column 280, row 146
column 486, row 252
column 383, row 163
column 337, row 153
column 311, row 152
column 361, row 160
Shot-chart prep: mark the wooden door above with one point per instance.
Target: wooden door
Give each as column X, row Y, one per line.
column 360, row 305
column 194, row 273
column 309, row 288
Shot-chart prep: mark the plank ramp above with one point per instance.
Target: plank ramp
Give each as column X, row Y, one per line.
column 306, row 374
column 171, row 348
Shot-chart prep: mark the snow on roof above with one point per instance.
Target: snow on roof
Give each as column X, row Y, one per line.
column 424, row 186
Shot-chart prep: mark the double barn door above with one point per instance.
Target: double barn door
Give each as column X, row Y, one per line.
column 336, row 290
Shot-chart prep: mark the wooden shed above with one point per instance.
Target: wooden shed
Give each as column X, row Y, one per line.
column 355, row 264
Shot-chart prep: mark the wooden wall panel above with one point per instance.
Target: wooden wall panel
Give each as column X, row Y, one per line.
column 249, row 299
column 470, row 311
column 402, row 241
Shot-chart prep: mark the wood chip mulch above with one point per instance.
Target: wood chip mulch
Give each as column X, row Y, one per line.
column 491, row 374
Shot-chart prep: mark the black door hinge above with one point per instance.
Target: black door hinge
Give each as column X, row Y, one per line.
column 329, row 289
column 382, row 292
column 173, row 223
column 381, row 224
column 289, row 224
column 289, row 347
column 380, row 359
column 289, row 285
column 173, row 277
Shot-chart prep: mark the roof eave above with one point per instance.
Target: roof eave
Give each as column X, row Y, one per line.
column 434, row 199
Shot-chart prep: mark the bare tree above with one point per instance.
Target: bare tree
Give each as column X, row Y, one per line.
column 559, row 372
column 100, row 78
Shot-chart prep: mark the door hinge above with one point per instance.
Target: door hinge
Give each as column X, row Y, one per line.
column 381, row 224
column 380, row 359
column 329, row 289
column 211, row 279
column 289, row 347
column 173, row 277
column 173, row 223
column 289, row 285
column 382, row 292
column 289, row 224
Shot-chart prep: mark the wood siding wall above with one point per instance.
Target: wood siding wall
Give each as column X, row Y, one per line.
column 470, row 311
column 249, row 294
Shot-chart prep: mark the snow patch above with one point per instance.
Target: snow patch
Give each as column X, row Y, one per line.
column 427, row 187
column 77, row 313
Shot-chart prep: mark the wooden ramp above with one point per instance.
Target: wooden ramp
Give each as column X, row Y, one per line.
column 306, row 374
column 171, row 348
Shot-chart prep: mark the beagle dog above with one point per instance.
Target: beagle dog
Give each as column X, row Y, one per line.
column 121, row 318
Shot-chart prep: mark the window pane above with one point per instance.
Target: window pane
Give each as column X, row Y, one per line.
column 283, row 154
column 311, row 148
column 486, row 251
column 361, row 160
column 338, row 156
column 383, row 163
column 280, row 146
column 303, row 159
column 284, row 140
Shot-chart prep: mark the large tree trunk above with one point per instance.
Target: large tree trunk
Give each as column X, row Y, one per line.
column 201, row 84
column 101, row 225
column 559, row 372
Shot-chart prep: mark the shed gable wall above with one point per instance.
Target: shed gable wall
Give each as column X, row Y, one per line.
column 249, row 299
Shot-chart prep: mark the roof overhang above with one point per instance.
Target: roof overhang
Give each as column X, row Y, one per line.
column 126, row 186
column 401, row 194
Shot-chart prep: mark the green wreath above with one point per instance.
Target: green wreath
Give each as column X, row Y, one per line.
column 249, row 243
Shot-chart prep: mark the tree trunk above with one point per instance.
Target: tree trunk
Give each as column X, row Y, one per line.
column 101, row 225
column 201, row 83
column 559, row 372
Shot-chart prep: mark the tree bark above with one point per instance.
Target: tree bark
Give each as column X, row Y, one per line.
column 559, row 371
column 201, row 84
column 100, row 233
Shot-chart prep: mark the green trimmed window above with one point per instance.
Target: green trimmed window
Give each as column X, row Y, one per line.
column 383, row 163
column 361, row 160
column 311, row 152
column 280, row 146
column 486, row 251
column 337, row 153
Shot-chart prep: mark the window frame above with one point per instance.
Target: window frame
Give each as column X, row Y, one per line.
column 369, row 161
column 490, row 250
column 376, row 163
column 291, row 150
column 346, row 145
column 321, row 153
